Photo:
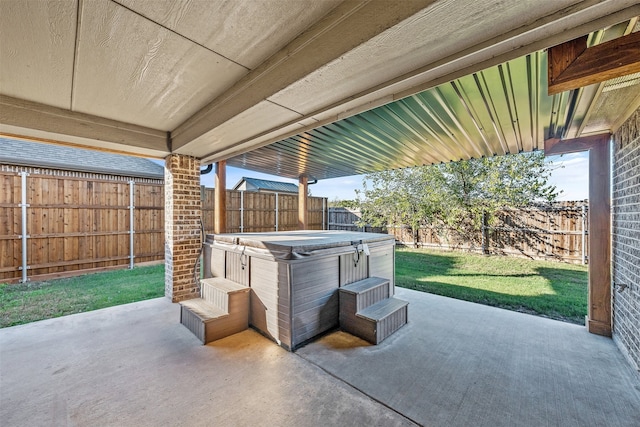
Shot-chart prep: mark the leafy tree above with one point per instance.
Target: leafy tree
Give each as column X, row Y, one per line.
column 452, row 197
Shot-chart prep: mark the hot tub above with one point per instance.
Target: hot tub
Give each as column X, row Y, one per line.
column 294, row 276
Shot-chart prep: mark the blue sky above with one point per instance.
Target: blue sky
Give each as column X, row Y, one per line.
column 570, row 175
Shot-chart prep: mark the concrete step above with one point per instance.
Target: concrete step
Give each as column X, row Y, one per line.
column 359, row 295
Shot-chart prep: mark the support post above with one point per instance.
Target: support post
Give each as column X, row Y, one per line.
column 24, row 236
column 599, row 305
column 324, row 207
column 220, row 209
column 182, row 216
column 584, row 234
column 599, row 310
column 303, row 213
column 131, row 223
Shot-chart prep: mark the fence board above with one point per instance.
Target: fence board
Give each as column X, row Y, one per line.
column 538, row 232
column 79, row 223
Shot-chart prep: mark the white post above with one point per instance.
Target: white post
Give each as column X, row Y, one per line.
column 24, row 236
column 276, row 211
column 323, row 209
column 131, row 228
column 242, row 211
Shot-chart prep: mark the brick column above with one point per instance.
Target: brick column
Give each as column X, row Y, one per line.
column 182, row 212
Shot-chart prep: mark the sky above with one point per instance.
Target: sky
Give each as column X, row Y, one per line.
column 570, row 175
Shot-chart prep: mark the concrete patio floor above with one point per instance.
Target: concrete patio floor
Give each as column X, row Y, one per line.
column 454, row 364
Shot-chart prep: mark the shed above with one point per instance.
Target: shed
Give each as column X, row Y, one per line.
column 265, row 186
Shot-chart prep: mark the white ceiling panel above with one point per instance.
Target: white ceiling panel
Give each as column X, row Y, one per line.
column 247, row 32
column 37, row 64
column 258, row 119
column 132, row 70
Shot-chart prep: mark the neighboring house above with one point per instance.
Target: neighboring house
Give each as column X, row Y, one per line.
column 50, row 159
column 266, row 186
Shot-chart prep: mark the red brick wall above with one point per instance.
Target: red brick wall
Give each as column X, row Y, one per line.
column 182, row 226
column 626, row 239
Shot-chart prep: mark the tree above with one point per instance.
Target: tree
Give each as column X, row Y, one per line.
column 452, row 197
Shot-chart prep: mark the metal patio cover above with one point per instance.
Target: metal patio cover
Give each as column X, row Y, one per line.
column 317, row 88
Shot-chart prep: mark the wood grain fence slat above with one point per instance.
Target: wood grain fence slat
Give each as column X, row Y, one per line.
column 81, row 223
column 552, row 233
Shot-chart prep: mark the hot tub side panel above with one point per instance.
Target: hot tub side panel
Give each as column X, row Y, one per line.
column 314, row 302
column 270, row 308
column 213, row 261
column 382, row 263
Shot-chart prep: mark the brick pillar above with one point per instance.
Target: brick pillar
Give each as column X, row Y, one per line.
column 181, row 226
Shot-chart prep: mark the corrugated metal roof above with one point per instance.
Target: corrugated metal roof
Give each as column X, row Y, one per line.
column 34, row 154
column 264, row 184
column 503, row 109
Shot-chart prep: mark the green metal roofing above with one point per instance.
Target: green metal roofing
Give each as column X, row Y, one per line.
column 503, row 109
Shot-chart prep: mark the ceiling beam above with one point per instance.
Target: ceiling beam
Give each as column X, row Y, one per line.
column 555, row 146
column 572, row 65
column 344, row 28
column 31, row 120
column 546, row 31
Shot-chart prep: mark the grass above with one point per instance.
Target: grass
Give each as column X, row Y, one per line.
column 554, row 290
column 31, row 301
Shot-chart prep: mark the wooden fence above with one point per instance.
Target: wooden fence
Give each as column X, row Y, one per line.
column 557, row 232
column 76, row 223
column 250, row 212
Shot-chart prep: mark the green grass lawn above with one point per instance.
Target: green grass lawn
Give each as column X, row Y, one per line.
column 31, row 301
column 550, row 289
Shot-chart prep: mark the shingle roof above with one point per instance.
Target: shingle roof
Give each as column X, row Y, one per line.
column 265, row 184
column 34, row 154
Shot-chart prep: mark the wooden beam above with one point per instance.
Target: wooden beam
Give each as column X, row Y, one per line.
column 303, row 211
column 555, row 146
column 572, row 65
column 599, row 309
column 31, row 120
column 220, row 198
column 599, row 288
column 344, row 28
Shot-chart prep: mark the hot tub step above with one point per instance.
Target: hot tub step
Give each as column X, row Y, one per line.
column 376, row 322
column 359, row 295
column 223, row 310
column 220, row 292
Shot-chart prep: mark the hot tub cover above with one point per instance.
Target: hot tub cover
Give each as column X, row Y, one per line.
column 295, row 244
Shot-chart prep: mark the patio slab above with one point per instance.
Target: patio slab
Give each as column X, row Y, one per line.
column 454, row 364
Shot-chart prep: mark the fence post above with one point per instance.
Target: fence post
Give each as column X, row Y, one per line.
column 276, row 211
column 24, row 236
column 242, row 211
column 131, row 225
column 485, row 245
column 323, row 208
column 584, row 239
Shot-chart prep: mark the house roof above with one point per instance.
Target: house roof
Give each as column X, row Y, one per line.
column 34, row 154
column 265, row 184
